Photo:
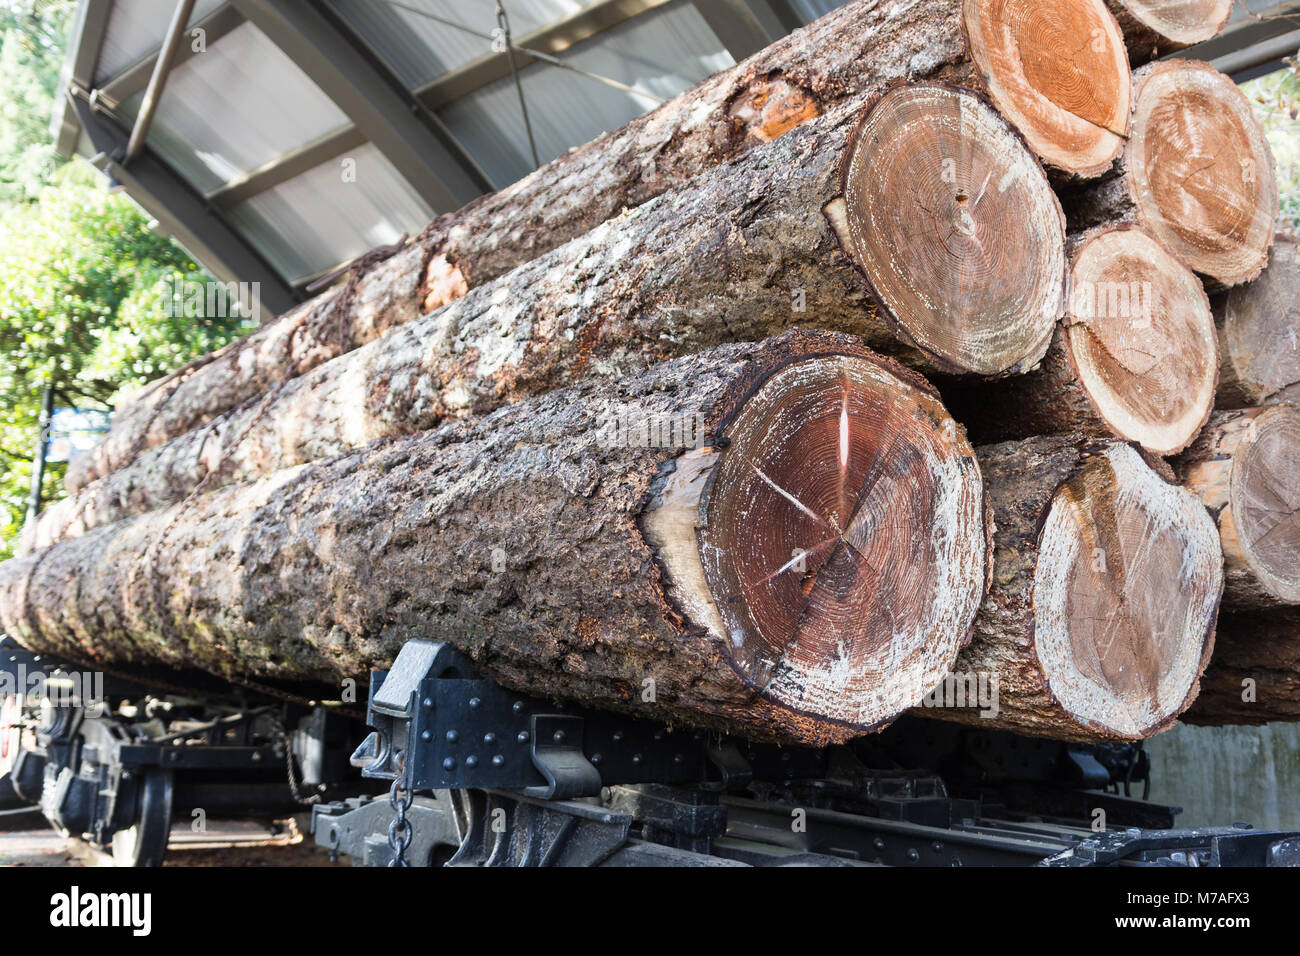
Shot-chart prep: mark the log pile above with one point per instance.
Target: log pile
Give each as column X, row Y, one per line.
column 1196, row 172
column 1067, row 106
column 678, row 424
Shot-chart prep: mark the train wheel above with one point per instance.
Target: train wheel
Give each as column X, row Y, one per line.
column 144, row 843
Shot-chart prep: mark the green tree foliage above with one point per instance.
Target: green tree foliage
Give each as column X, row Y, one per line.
column 1276, row 98
column 32, row 40
column 85, row 286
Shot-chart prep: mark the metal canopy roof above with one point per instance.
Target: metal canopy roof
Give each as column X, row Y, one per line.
column 279, row 139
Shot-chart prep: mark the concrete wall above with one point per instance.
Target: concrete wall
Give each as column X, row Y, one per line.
column 1220, row 775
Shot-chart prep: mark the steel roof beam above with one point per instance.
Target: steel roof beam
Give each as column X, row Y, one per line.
column 184, row 214
column 158, row 78
column 554, row 38
column 135, row 77
column 434, row 165
column 88, row 27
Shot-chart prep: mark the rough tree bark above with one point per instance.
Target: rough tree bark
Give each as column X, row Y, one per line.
column 1254, row 676
column 1246, row 468
column 1259, row 331
column 1066, row 112
column 1197, row 173
column 742, row 253
column 805, row 577
column 1153, row 28
column 1106, row 583
column 1135, row 357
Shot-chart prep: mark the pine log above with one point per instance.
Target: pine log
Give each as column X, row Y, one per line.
column 1259, row 331
column 733, row 256
column 1246, row 468
column 1106, row 584
column 1067, row 99
column 1196, row 172
column 805, row 576
column 1136, row 356
column 1154, row 28
column 1254, row 676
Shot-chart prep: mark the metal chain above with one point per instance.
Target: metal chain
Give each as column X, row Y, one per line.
column 399, row 831
column 292, row 774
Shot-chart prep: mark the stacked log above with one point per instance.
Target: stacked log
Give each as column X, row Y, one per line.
column 1259, row 333
column 1196, row 172
column 563, row 556
column 1106, row 582
column 1245, row 467
column 743, row 252
column 537, row 431
column 1069, row 100
column 1136, row 356
column 1254, row 676
column 1153, row 28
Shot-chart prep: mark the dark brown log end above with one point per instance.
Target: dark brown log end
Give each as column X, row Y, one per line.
column 956, row 228
column 1264, row 501
column 1200, row 171
column 844, row 541
column 1126, row 591
column 1141, row 337
column 1261, row 327
column 1058, row 70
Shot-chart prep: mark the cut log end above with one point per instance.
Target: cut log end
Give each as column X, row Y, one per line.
column 1058, row 70
column 1142, row 339
column 956, row 228
column 845, row 541
column 1126, row 592
column 1175, row 24
column 1261, row 329
column 1200, row 171
column 1265, row 501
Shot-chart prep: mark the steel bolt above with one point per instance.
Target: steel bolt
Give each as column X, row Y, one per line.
column 452, row 736
column 449, row 763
